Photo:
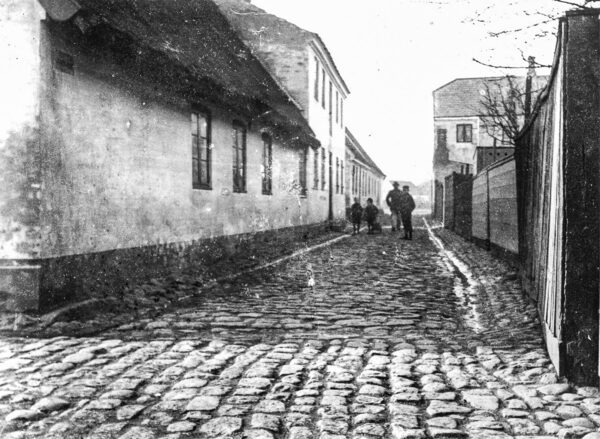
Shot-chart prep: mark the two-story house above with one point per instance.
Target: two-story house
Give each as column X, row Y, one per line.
column 303, row 65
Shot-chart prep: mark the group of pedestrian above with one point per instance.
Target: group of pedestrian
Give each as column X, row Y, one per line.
column 401, row 204
column 370, row 213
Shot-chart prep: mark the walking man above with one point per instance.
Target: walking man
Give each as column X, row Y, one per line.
column 394, row 202
column 407, row 205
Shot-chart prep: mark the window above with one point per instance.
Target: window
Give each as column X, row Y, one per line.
column 337, row 107
column 302, row 171
column 441, row 138
column 330, row 108
column 353, row 183
column 464, row 133
column 201, row 178
column 343, row 176
column 341, row 112
column 267, row 165
column 239, row 157
column 323, row 174
column 337, row 175
column 318, row 68
column 323, row 87
column 316, row 170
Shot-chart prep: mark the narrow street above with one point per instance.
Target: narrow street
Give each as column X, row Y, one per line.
column 428, row 338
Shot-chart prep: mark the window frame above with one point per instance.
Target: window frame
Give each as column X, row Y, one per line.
column 317, row 79
column 323, row 84
column 198, row 184
column 337, row 175
column 461, row 128
column 238, row 125
column 323, row 170
column 337, row 107
column 316, row 171
column 302, row 172
column 267, row 165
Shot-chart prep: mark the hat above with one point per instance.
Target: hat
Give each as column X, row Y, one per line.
column 405, row 187
column 395, row 184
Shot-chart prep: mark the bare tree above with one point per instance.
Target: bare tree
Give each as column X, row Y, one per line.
column 503, row 102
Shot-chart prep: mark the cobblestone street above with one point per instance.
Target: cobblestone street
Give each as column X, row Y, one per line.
column 428, row 338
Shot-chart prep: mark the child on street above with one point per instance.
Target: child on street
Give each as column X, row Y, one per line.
column 371, row 212
column 356, row 212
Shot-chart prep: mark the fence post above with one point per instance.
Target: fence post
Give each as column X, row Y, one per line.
column 487, row 213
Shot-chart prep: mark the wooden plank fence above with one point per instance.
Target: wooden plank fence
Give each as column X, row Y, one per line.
column 558, row 190
column 495, row 224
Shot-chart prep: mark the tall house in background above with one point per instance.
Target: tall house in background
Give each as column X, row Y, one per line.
column 364, row 179
column 302, row 64
column 466, row 138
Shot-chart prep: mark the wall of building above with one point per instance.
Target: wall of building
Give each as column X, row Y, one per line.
column 118, row 166
column 318, row 119
column 461, row 152
column 114, row 201
column 19, row 129
column 20, row 193
column 363, row 183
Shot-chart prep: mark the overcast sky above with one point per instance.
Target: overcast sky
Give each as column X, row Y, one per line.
column 394, row 53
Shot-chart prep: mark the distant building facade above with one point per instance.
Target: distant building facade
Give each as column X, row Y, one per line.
column 465, row 140
column 138, row 141
column 301, row 62
column 364, row 179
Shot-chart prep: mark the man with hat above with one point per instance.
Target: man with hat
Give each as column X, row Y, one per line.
column 394, row 202
column 407, row 205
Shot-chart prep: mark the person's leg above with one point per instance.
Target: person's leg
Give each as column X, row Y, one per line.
column 405, row 225
column 410, row 228
column 394, row 220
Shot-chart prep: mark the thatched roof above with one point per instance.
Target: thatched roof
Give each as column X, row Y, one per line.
column 196, row 38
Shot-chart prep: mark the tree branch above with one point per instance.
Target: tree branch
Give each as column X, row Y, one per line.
column 495, row 34
column 584, row 6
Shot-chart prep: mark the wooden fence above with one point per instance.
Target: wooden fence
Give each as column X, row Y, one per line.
column 457, row 204
column 557, row 189
column 494, row 205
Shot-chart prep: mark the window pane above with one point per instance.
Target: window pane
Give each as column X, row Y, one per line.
column 194, row 147
column 203, row 149
column 204, row 172
column 203, row 122
column 194, row 123
column 195, row 180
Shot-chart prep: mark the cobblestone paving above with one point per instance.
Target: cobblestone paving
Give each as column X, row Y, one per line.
column 422, row 339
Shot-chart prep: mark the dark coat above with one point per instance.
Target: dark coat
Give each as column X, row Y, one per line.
column 371, row 212
column 394, row 199
column 407, row 204
column 356, row 211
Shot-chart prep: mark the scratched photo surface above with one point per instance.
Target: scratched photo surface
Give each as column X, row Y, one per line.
column 297, row 219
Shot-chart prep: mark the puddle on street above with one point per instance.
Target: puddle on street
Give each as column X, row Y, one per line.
column 465, row 286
